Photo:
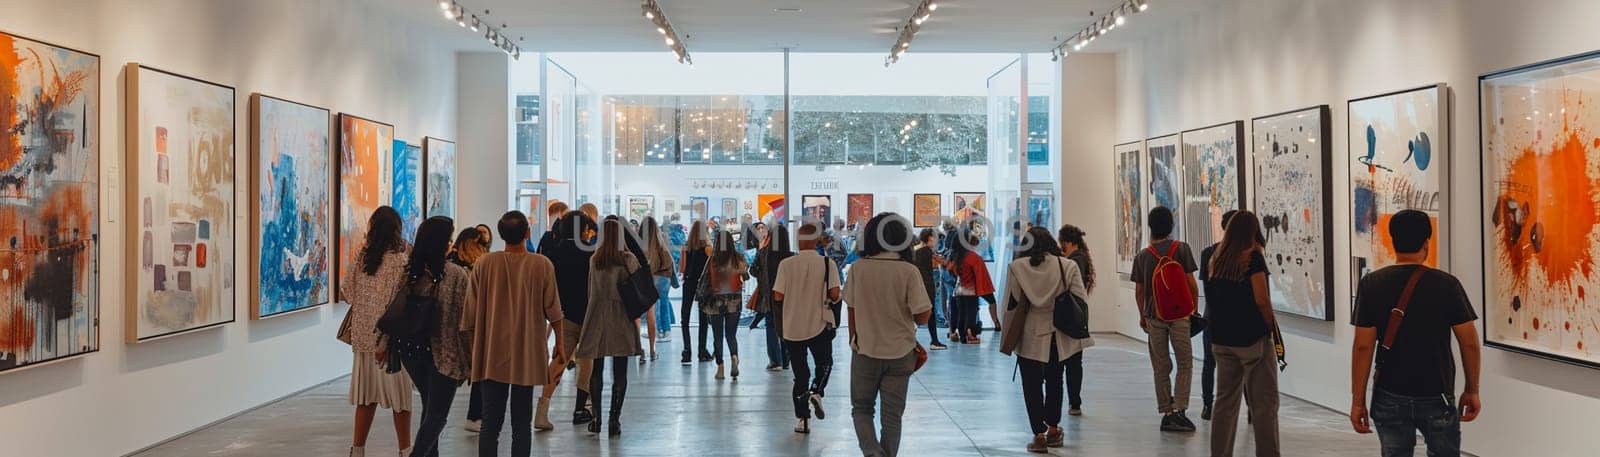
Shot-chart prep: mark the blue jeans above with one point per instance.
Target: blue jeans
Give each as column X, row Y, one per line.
column 663, row 305
column 1398, row 418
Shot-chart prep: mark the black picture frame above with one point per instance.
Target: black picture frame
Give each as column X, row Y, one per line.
column 1325, row 146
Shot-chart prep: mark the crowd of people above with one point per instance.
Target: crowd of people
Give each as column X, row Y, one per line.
column 433, row 313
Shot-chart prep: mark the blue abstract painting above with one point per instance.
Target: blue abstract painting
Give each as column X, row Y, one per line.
column 1165, row 177
column 291, row 162
column 408, row 187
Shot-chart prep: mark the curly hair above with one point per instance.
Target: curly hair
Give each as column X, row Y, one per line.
column 383, row 236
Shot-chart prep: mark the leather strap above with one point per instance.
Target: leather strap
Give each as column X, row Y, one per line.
column 1398, row 314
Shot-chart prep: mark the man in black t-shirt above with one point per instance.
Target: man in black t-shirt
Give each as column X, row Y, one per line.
column 1172, row 394
column 1416, row 372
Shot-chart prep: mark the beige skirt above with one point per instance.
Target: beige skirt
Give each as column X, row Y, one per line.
column 369, row 384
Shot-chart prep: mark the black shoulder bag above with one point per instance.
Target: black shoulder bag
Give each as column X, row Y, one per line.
column 1070, row 316
column 638, row 291
column 412, row 316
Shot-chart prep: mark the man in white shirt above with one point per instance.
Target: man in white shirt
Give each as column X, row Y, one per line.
column 808, row 285
column 887, row 301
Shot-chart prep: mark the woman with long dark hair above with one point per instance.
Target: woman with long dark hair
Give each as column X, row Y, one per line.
column 439, row 364
column 1070, row 238
column 692, row 265
column 972, row 284
column 378, row 274
column 660, row 259
column 721, row 293
column 1240, row 309
column 774, row 250
column 607, row 330
column 1034, row 280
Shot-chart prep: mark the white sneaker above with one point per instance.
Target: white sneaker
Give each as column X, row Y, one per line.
column 662, row 338
column 804, row 426
column 816, row 406
column 474, row 426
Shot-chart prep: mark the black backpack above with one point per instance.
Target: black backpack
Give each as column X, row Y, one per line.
column 1071, row 313
column 413, row 316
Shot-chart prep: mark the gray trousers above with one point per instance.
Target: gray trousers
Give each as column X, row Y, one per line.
column 870, row 378
column 1250, row 372
column 1171, row 398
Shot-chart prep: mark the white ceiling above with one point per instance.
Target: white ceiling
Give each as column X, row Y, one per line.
column 821, row 26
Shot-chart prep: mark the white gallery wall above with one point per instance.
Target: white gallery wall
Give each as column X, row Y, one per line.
column 356, row 56
column 1243, row 58
column 1088, row 97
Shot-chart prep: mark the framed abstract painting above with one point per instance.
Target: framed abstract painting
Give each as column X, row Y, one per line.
column 1293, row 151
column 365, row 149
column 180, row 165
column 49, row 202
column 1398, row 153
column 290, row 147
column 859, row 207
column 1129, row 204
column 406, row 197
column 772, row 206
column 640, row 207
column 699, row 209
column 1163, row 180
column 1213, row 180
column 926, row 210
column 1540, row 133
column 440, row 168
column 968, row 205
column 730, row 210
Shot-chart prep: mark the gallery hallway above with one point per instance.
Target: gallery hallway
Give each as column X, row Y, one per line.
column 964, row 402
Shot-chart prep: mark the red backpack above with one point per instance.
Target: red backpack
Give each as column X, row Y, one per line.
column 1169, row 286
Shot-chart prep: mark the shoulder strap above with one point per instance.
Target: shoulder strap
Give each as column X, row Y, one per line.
column 1172, row 249
column 1398, row 314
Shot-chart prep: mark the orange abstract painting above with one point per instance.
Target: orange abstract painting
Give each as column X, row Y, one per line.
column 365, row 148
column 1541, row 135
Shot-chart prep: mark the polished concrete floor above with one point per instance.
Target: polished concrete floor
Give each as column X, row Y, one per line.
column 963, row 403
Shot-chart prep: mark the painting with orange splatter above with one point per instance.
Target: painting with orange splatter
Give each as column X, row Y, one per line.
column 859, row 207
column 1294, row 196
column 1541, row 147
column 181, row 166
column 49, row 202
column 365, row 149
column 1213, row 179
column 1398, row 155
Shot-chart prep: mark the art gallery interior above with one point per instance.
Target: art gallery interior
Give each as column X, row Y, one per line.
column 183, row 184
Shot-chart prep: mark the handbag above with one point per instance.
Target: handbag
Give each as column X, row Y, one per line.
column 836, row 306
column 638, row 292
column 344, row 330
column 922, row 358
column 412, row 316
column 1070, row 315
column 1197, row 324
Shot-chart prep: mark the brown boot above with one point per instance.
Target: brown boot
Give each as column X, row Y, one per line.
column 1055, row 437
column 1037, row 446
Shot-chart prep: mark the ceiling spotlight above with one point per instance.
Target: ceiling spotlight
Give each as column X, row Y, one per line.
column 1121, row 20
column 461, row 20
column 1144, row 5
column 670, row 42
column 649, row 14
column 444, row 4
column 474, row 26
column 905, row 44
column 933, row 6
column 661, row 30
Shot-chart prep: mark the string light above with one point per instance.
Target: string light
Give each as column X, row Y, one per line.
column 909, row 31
column 1100, row 26
column 496, row 36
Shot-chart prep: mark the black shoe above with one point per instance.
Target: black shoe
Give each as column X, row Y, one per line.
column 688, row 358
column 594, row 426
column 1205, row 413
column 705, row 356
column 1183, row 422
column 614, row 429
column 582, row 416
column 1169, row 424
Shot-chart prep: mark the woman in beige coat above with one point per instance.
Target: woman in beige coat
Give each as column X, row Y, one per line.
column 369, row 285
column 1037, row 277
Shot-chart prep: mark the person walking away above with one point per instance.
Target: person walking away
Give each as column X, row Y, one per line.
column 471, row 244
column 1208, row 366
column 721, row 298
column 569, row 253
column 664, row 270
column 512, row 306
column 774, row 251
column 1071, row 240
column 437, row 365
column 1239, row 306
column 1172, row 389
column 369, row 287
column 806, row 287
column 1415, row 371
column 1034, row 280
column 925, row 259
column 972, row 284
column 553, row 212
column 692, row 264
column 946, row 301
column 886, row 301
column 607, row 329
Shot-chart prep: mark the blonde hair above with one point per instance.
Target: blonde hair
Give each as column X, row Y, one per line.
column 556, row 209
column 588, row 209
